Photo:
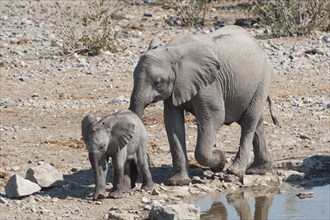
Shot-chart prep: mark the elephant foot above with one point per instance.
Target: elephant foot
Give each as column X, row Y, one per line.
column 116, row 194
column 148, row 186
column 260, row 169
column 126, row 188
column 236, row 169
column 221, row 158
column 99, row 196
column 179, row 180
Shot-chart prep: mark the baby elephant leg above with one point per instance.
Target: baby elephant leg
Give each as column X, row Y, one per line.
column 118, row 178
column 131, row 174
column 143, row 164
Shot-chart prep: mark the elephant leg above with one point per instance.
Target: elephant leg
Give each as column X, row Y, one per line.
column 100, row 168
column 118, row 178
column 143, row 163
column 241, row 160
column 174, row 124
column 248, row 123
column 210, row 116
column 205, row 153
column 263, row 161
column 127, row 184
column 133, row 173
column 147, row 179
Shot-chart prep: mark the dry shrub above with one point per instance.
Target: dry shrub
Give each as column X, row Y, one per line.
column 191, row 13
column 291, row 17
column 87, row 27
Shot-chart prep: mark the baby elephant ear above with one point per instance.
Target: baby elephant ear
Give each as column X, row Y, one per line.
column 121, row 134
column 86, row 124
column 197, row 68
column 154, row 43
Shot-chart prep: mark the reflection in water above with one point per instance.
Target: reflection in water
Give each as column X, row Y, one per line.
column 217, row 211
column 266, row 204
column 240, row 202
column 262, row 207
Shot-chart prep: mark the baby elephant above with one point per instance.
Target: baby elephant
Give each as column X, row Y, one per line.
column 123, row 137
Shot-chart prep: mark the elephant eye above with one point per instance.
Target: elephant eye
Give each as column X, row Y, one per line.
column 158, row 81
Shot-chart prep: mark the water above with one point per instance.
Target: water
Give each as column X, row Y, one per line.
column 267, row 204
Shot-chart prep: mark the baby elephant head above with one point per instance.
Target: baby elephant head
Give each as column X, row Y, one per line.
column 104, row 139
column 95, row 135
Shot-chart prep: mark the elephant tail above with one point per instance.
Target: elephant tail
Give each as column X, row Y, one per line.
column 270, row 102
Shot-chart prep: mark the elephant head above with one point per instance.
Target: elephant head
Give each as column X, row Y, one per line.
column 172, row 72
column 104, row 139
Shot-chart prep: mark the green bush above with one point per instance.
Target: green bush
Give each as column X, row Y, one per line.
column 87, row 27
column 291, row 17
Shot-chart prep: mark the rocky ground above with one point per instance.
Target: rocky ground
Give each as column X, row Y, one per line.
column 45, row 94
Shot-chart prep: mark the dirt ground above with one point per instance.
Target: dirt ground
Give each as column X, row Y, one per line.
column 44, row 95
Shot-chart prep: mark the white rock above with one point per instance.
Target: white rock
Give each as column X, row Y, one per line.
column 17, row 187
column 3, row 200
column 257, row 180
column 175, row 212
column 113, row 214
column 45, row 175
column 145, row 200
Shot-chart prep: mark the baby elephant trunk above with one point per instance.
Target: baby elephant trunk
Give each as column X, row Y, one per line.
column 100, row 170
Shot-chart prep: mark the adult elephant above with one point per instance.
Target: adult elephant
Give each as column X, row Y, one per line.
column 221, row 78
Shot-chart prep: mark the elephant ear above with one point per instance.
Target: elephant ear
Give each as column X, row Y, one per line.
column 197, row 68
column 154, row 43
column 121, row 133
column 86, row 125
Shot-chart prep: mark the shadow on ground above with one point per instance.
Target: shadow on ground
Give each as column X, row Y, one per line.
column 81, row 184
column 316, row 170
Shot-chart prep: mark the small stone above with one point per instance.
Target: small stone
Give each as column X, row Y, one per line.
column 203, row 187
column 3, row 200
column 145, row 200
column 305, row 195
column 196, row 178
column 98, row 203
column 155, row 203
column 74, row 169
column 155, row 192
column 119, row 100
column 147, row 207
column 147, row 14
column 219, row 24
column 15, row 168
column 326, row 38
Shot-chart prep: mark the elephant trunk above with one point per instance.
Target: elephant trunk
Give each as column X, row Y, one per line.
column 215, row 158
column 100, row 176
column 137, row 104
column 137, row 109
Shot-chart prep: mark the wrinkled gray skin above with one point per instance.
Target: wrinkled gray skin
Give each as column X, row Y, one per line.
column 123, row 137
column 221, row 78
